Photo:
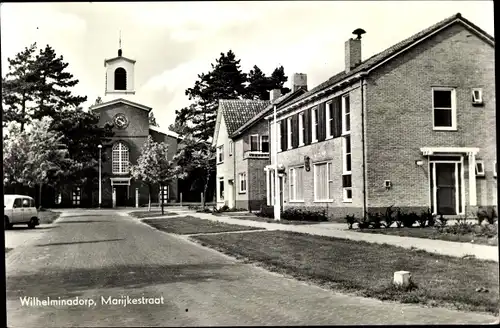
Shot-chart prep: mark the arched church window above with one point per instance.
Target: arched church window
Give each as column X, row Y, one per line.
column 120, row 158
column 120, row 79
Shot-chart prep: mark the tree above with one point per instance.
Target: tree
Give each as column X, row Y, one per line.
column 18, row 86
column 51, row 91
column 81, row 135
column 35, row 156
column 152, row 120
column 195, row 155
column 153, row 167
column 278, row 79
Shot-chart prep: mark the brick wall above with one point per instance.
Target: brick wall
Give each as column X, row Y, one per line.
column 329, row 150
column 399, row 116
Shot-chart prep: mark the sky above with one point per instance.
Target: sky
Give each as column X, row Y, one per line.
column 173, row 42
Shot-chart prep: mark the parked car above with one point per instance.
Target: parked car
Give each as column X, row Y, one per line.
column 20, row 209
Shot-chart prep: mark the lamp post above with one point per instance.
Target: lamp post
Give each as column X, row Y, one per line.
column 100, row 192
column 277, row 203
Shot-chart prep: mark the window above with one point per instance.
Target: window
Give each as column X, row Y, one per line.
column 264, row 144
column 230, row 147
column 76, row 196
column 254, row 142
column 346, row 114
column 329, row 120
column 346, row 147
column 163, row 199
column 120, row 158
column 26, row 202
column 480, row 168
column 279, row 136
column 347, row 187
column 120, row 79
column 18, row 202
column 58, row 199
column 289, row 132
column 220, row 154
column 323, row 183
column 296, row 179
column 221, row 188
column 477, row 96
column 302, row 130
column 243, row 182
column 444, row 108
column 314, row 125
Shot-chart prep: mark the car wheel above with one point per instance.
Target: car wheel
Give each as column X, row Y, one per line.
column 7, row 224
column 32, row 223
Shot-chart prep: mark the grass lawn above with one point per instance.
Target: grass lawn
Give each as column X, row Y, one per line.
column 147, row 214
column 48, row 216
column 367, row 269
column 432, row 233
column 187, row 225
column 268, row 220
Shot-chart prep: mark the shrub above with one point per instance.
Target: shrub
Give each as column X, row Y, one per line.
column 364, row 223
column 461, row 227
column 389, row 216
column 266, row 211
column 350, row 219
column 407, row 219
column 429, row 217
column 297, row 214
column 487, row 213
column 374, row 220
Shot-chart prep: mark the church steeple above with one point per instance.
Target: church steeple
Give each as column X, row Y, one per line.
column 119, row 74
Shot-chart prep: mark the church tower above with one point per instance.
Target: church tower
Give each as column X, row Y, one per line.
column 119, row 76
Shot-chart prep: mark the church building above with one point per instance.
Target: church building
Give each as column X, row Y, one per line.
column 130, row 121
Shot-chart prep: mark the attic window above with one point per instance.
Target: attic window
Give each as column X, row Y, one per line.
column 120, row 79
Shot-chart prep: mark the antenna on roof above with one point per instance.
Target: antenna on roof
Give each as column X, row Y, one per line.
column 358, row 32
column 120, row 44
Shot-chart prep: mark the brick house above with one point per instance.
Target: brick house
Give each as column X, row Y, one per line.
column 412, row 126
column 131, row 129
column 241, row 139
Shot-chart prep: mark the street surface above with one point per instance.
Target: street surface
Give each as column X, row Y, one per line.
column 91, row 255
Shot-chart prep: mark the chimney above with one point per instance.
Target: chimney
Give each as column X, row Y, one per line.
column 353, row 50
column 299, row 81
column 274, row 94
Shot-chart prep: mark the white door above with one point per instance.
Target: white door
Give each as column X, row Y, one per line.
column 17, row 211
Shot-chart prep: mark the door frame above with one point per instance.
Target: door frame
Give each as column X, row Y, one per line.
column 459, row 181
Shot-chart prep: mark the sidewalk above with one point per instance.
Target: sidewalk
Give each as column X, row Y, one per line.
column 449, row 248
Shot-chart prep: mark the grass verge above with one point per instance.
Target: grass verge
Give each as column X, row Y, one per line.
column 48, row 216
column 432, row 233
column 187, row 225
column 150, row 214
column 367, row 269
column 268, row 220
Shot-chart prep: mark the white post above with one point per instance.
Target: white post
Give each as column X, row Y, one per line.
column 114, row 197
column 100, row 186
column 268, row 187
column 472, row 179
column 137, row 197
column 181, row 199
column 277, row 203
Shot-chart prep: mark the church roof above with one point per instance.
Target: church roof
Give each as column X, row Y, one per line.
column 121, row 100
column 164, row 131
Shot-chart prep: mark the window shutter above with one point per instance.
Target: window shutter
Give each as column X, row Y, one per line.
column 321, row 122
column 307, row 126
column 295, row 129
column 246, row 143
column 337, row 117
column 283, row 135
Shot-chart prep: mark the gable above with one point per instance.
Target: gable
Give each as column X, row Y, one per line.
column 120, row 101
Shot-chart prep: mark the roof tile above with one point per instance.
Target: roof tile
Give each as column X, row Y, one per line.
column 237, row 112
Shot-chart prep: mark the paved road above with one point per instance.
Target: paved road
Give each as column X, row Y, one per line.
column 92, row 254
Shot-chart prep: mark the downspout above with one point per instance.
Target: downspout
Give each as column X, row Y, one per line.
column 363, row 144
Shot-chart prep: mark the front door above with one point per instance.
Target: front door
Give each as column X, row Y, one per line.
column 121, row 196
column 446, row 188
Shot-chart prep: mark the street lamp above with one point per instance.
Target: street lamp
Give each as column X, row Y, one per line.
column 100, row 192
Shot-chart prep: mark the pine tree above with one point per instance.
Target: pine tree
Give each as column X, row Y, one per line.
column 278, row 79
column 259, row 85
column 18, row 87
column 52, row 93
